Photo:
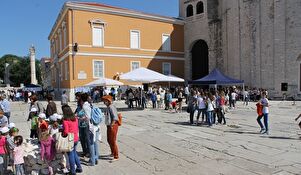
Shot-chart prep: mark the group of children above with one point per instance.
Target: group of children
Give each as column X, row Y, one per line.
column 44, row 130
column 11, row 151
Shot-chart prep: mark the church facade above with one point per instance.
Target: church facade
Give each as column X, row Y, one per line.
column 258, row 41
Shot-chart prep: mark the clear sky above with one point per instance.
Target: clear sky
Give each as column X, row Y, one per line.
column 26, row 22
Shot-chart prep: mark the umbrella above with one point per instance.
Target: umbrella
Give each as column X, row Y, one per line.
column 104, row 82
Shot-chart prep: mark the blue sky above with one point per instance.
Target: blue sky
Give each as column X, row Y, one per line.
column 26, row 22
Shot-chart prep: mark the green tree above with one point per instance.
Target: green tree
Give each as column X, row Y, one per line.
column 19, row 69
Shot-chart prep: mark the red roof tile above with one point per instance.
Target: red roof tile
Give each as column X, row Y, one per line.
column 99, row 5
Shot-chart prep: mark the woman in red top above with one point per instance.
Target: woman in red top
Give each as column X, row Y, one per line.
column 70, row 125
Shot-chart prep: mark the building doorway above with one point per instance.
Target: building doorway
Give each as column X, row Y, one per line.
column 200, row 61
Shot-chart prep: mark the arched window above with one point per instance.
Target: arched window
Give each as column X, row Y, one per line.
column 200, row 7
column 189, row 10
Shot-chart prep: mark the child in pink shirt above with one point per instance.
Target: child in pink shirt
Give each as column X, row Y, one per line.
column 47, row 149
column 18, row 156
column 3, row 151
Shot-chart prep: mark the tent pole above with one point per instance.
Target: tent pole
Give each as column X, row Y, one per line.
column 215, row 86
column 141, row 94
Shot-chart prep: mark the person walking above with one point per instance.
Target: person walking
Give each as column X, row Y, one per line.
column 265, row 111
column 259, row 116
column 65, row 99
column 111, row 118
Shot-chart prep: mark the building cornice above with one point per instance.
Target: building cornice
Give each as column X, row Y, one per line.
column 108, row 10
column 123, row 12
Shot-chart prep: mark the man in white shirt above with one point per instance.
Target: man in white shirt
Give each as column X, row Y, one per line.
column 232, row 99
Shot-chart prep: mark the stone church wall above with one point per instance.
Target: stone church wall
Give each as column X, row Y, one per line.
column 254, row 40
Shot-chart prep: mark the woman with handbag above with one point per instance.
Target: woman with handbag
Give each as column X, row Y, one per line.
column 70, row 125
column 111, row 120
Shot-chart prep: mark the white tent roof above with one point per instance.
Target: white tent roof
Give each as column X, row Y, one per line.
column 143, row 75
column 172, row 78
column 104, row 82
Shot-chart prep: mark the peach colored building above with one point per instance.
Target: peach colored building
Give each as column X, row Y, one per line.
column 92, row 40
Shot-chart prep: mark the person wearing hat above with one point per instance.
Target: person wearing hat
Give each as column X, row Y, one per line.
column 3, row 119
column 42, row 120
column 111, row 118
column 3, row 149
column 33, row 116
column 11, row 125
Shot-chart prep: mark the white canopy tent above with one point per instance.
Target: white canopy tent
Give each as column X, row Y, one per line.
column 142, row 75
column 172, row 78
column 104, row 82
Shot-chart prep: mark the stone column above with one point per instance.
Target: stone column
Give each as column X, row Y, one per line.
column 33, row 65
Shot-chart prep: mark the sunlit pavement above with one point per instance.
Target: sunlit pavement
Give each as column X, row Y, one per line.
column 162, row 142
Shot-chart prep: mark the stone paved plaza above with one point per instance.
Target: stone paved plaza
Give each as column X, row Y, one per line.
column 162, row 142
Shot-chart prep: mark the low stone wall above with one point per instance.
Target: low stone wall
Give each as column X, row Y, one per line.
column 32, row 158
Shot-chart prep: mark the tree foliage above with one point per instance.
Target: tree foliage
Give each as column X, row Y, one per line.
column 19, row 69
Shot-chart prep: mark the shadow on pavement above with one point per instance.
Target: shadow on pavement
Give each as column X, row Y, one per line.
column 283, row 138
column 243, row 132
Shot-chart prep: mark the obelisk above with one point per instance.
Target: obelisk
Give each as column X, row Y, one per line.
column 33, row 65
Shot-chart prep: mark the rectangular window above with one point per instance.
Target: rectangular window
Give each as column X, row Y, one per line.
column 98, row 69
column 135, row 39
column 97, row 36
column 166, row 68
column 56, row 45
column 61, row 71
column 60, row 41
column 65, row 36
column 135, row 65
column 53, row 48
column 166, row 42
column 66, row 70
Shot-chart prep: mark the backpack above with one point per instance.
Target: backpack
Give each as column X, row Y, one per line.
column 96, row 115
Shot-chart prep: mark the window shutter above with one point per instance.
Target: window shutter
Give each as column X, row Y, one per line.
column 135, row 39
column 166, row 42
column 97, row 36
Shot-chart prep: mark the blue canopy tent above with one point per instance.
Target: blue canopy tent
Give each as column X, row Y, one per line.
column 215, row 77
column 32, row 87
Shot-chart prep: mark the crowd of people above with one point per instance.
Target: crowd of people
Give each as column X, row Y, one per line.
column 47, row 126
column 205, row 107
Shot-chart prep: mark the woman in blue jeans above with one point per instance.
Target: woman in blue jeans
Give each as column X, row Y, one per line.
column 210, row 109
column 70, row 125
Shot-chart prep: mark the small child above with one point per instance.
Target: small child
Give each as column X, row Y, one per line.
column 3, row 150
column 47, row 150
column 18, row 156
column 33, row 116
column 11, row 144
